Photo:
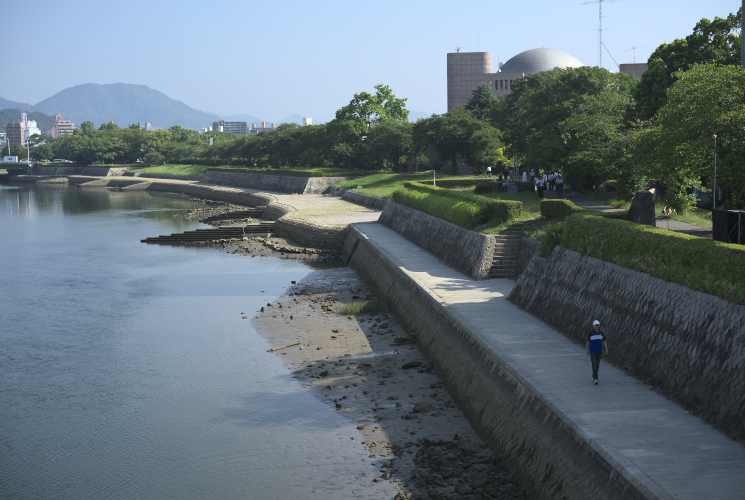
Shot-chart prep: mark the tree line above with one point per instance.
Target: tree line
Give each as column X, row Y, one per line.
column 587, row 122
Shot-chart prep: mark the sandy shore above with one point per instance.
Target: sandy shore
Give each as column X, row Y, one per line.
column 370, row 370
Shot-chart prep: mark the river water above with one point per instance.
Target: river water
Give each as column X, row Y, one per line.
column 128, row 372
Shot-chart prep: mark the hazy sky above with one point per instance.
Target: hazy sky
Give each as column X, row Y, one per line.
column 274, row 59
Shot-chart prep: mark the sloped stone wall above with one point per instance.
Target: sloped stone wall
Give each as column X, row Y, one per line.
column 363, row 199
column 94, row 171
column 688, row 345
column 548, row 453
column 276, row 183
column 467, row 251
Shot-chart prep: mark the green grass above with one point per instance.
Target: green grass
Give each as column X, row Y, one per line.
column 372, row 306
column 174, row 169
column 180, row 169
column 696, row 216
column 383, row 184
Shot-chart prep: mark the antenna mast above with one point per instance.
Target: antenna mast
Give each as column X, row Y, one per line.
column 600, row 28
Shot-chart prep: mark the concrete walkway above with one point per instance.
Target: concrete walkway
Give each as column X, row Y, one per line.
column 669, row 453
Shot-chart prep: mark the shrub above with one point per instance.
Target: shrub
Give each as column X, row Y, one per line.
column 492, row 210
column 457, row 183
column 701, row 264
column 458, row 211
column 553, row 209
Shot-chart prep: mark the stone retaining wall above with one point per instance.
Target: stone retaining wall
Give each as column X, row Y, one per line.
column 150, row 175
column 467, row 251
column 551, row 456
column 310, row 234
column 277, row 183
column 363, row 199
column 95, row 171
column 688, row 345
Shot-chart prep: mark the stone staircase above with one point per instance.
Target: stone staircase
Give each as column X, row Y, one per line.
column 504, row 262
column 212, row 234
column 251, row 213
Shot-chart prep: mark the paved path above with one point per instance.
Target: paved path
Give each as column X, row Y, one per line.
column 661, row 222
column 676, row 455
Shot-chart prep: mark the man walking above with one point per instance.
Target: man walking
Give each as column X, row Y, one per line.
column 595, row 345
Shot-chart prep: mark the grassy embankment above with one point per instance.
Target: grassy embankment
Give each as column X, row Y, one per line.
column 201, row 169
column 383, row 185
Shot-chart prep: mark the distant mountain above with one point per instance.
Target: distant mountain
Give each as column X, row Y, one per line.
column 6, row 104
column 124, row 104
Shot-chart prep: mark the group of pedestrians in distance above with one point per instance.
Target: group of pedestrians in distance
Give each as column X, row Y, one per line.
column 505, row 173
column 547, row 181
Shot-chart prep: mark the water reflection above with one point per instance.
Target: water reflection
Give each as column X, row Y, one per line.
column 128, row 371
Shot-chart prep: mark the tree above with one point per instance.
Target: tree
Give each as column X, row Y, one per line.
column 554, row 120
column 599, row 136
column 716, row 41
column 366, row 110
column 704, row 101
column 109, row 126
column 154, row 158
column 87, row 128
column 459, row 135
column 481, row 101
column 390, row 143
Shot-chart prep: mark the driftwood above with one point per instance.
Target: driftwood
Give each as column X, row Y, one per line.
column 282, row 347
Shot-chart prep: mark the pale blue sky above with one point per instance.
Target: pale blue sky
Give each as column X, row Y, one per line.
column 274, row 59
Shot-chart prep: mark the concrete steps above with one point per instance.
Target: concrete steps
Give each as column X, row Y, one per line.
column 211, row 234
column 505, row 260
column 252, row 213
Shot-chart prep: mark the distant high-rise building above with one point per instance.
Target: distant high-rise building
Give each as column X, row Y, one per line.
column 62, row 126
column 238, row 128
column 15, row 133
column 255, row 130
column 309, row 121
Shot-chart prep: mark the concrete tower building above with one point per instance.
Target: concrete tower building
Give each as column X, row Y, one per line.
column 468, row 70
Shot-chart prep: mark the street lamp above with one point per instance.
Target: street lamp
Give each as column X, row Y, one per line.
column 714, row 202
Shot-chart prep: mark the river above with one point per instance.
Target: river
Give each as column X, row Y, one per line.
column 127, row 370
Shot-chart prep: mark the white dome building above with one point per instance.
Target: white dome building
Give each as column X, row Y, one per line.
column 537, row 60
column 469, row 70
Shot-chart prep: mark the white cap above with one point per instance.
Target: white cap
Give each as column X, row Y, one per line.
column 596, row 322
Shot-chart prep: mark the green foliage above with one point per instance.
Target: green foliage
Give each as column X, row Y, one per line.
column 701, row 264
column 481, row 101
column 372, row 306
column 460, row 135
column 704, row 101
column 461, row 211
column 486, row 209
column 571, row 119
column 555, row 208
column 552, row 237
column 154, row 158
column 717, row 41
column 456, row 182
column 366, row 110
